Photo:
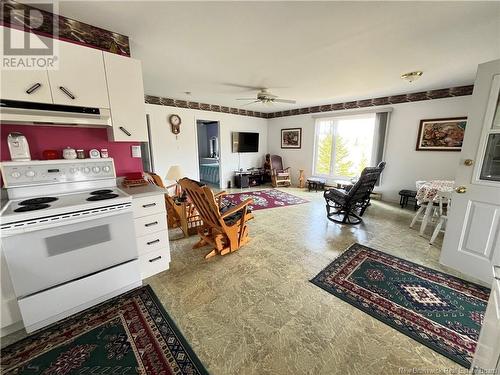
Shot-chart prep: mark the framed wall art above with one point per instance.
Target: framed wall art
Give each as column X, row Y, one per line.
column 444, row 134
column 291, row 138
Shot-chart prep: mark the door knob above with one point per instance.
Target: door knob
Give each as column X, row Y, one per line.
column 468, row 162
column 461, row 189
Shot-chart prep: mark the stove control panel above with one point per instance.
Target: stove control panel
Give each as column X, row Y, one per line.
column 43, row 172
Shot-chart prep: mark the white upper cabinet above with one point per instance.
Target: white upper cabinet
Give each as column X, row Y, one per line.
column 126, row 98
column 85, row 77
column 24, row 85
column 80, row 79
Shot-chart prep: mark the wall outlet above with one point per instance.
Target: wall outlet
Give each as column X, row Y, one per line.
column 136, row 151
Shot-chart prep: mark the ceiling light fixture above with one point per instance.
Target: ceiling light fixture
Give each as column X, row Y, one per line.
column 412, row 76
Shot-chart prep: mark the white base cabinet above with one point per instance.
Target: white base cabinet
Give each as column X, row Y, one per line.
column 150, row 219
column 10, row 316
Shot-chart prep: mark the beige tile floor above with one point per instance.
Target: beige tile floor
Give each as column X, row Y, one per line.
column 255, row 312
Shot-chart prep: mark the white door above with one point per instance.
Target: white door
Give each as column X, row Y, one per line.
column 472, row 238
column 24, row 85
column 126, row 98
column 80, row 79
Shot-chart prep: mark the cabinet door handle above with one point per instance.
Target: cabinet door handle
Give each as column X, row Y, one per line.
column 153, row 242
column 151, row 224
column 125, row 131
column 155, row 259
column 67, row 92
column 149, row 205
column 33, row 88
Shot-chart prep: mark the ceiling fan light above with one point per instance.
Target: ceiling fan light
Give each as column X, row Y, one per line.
column 412, row 76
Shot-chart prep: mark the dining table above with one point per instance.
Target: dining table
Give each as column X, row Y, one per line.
column 427, row 195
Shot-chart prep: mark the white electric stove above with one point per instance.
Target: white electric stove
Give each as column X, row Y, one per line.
column 68, row 237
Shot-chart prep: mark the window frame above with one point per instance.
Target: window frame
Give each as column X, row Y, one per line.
column 334, row 121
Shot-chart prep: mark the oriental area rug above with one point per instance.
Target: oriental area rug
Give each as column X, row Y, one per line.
column 263, row 199
column 441, row 311
column 129, row 334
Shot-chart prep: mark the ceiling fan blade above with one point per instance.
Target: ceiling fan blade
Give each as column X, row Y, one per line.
column 255, row 101
column 245, row 99
column 285, row 101
column 246, row 87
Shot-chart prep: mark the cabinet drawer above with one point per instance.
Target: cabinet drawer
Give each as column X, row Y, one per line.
column 154, row 262
column 42, row 309
column 148, row 205
column 152, row 242
column 150, row 224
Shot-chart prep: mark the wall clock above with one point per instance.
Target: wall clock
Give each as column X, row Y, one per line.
column 175, row 123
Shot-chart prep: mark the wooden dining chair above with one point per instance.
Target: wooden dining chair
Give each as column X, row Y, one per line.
column 444, row 204
column 224, row 228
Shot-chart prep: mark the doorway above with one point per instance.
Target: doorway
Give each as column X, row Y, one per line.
column 209, row 152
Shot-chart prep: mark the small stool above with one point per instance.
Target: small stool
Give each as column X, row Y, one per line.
column 405, row 195
column 316, row 183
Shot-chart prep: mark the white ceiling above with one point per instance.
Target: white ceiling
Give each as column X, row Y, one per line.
column 314, row 52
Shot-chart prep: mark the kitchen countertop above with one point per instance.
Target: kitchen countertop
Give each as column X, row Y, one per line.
column 142, row 191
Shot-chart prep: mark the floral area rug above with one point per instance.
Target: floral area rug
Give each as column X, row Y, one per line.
column 129, row 334
column 438, row 310
column 263, row 199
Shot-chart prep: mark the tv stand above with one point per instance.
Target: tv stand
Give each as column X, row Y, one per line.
column 245, row 179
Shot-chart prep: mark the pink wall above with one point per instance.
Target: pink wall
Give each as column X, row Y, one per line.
column 42, row 138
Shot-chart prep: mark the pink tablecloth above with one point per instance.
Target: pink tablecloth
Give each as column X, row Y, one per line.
column 427, row 191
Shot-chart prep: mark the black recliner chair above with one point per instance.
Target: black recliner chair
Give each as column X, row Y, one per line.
column 347, row 206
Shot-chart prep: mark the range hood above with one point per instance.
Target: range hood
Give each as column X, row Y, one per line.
column 19, row 112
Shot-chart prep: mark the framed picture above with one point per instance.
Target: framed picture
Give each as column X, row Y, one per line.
column 291, row 138
column 442, row 134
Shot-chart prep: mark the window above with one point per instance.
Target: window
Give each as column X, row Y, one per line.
column 346, row 145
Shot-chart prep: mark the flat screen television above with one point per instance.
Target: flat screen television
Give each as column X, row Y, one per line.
column 245, row 142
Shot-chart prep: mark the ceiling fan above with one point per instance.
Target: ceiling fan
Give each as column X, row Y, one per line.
column 264, row 96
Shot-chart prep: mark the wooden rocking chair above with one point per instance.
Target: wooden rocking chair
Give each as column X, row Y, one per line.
column 279, row 176
column 226, row 229
column 180, row 213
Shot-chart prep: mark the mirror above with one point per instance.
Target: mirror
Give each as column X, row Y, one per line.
column 214, row 147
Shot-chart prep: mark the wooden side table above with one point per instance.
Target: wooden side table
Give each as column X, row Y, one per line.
column 316, row 183
column 342, row 184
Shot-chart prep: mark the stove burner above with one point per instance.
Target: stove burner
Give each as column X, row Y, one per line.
column 37, row 201
column 101, row 197
column 31, row 207
column 99, row 192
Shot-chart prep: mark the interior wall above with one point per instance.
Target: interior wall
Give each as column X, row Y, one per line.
column 182, row 150
column 405, row 165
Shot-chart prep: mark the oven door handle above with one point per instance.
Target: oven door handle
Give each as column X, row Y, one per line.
column 49, row 224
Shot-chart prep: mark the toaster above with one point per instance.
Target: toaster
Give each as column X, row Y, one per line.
column 18, row 147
